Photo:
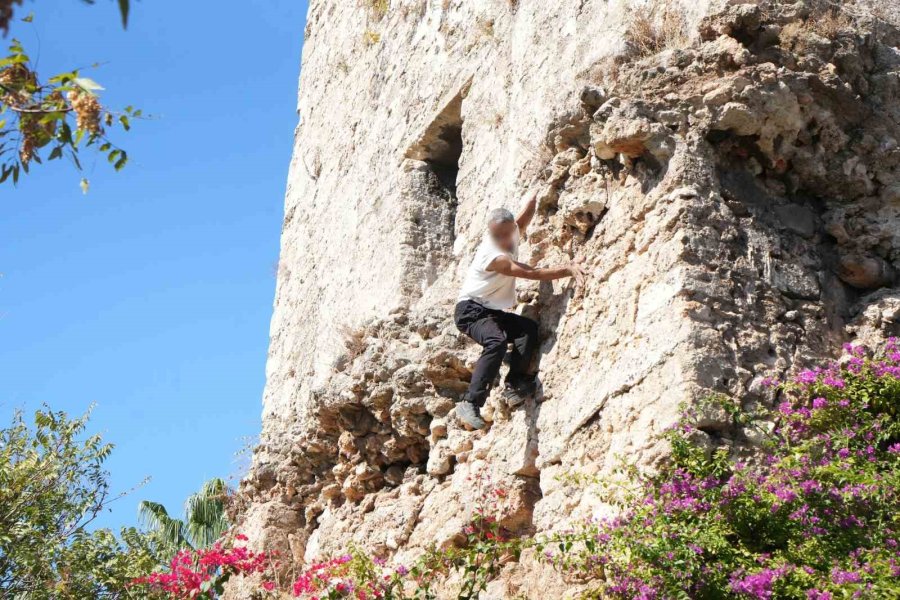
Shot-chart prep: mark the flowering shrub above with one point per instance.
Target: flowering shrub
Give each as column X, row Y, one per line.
column 487, row 546
column 817, row 517
column 356, row 575
column 203, row 573
column 352, row 575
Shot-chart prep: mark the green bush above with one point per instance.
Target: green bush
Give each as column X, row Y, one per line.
column 52, row 486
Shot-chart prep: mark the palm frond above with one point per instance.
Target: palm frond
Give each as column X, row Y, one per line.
column 205, row 517
column 204, row 520
column 169, row 531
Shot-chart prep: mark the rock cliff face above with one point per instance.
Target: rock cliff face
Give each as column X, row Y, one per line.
column 729, row 174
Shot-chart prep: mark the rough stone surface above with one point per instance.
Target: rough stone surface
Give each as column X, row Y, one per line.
column 734, row 198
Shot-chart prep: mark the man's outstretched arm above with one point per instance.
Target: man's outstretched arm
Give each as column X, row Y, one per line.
column 507, row 266
column 527, row 212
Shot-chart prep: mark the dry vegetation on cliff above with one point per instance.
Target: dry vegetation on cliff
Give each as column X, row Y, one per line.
column 652, row 28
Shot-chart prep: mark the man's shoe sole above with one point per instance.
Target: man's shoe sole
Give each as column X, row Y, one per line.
column 514, row 397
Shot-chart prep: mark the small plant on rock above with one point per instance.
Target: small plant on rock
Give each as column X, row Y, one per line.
column 652, row 29
column 828, row 24
column 356, row 575
column 371, row 38
column 488, row 545
column 379, row 8
column 355, row 343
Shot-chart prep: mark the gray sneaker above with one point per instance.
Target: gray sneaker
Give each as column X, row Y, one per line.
column 468, row 415
column 512, row 398
column 516, row 392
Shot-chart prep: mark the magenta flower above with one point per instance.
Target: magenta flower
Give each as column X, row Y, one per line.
column 832, row 381
column 757, row 585
column 807, row 377
column 841, row 577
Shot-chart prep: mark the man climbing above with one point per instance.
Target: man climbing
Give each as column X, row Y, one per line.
column 481, row 313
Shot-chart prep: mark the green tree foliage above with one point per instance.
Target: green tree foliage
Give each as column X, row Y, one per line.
column 61, row 116
column 52, row 486
column 204, row 519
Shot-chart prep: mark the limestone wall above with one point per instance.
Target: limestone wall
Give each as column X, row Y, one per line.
column 731, row 185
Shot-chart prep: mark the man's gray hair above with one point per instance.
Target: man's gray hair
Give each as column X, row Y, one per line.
column 500, row 215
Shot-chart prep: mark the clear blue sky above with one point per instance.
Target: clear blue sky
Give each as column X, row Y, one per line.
column 151, row 295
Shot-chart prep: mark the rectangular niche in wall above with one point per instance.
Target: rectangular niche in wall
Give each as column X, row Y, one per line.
column 429, row 198
column 441, row 144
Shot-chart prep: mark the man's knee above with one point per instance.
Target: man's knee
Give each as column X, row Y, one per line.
column 528, row 331
column 495, row 343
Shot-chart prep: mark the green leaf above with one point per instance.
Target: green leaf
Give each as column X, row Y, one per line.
column 63, row 78
column 124, row 121
column 120, row 164
column 29, row 18
column 16, row 59
column 124, row 9
column 65, row 133
column 88, row 84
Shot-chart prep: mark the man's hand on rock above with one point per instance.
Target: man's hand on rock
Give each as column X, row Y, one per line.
column 577, row 273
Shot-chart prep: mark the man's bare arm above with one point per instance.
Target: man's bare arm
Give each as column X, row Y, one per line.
column 527, row 213
column 507, row 266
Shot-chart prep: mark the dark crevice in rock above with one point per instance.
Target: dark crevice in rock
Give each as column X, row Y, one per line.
column 441, row 144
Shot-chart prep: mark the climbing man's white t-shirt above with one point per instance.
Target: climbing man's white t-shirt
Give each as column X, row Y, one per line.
column 489, row 288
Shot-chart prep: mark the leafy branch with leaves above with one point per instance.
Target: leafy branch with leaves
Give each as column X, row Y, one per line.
column 63, row 114
column 36, row 115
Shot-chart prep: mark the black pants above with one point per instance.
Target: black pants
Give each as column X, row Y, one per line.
column 494, row 330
